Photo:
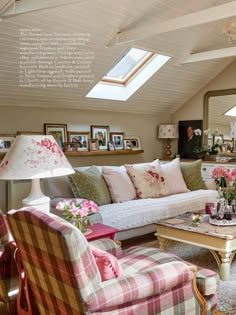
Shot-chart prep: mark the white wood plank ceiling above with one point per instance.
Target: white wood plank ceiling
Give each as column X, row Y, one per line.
column 164, row 93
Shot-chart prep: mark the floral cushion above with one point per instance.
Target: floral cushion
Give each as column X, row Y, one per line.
column 89, row 184
column 108, row 265
column 148, row 179
column 119, row 183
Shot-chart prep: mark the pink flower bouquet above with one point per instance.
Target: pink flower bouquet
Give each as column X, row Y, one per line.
column 78, row 211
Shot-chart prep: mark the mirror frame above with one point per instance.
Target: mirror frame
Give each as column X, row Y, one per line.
column 206, row 103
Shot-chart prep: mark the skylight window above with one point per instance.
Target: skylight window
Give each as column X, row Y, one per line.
column 231, row 111
column 133, row 69
column 127, row 66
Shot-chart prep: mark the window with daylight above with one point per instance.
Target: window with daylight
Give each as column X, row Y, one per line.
column 132, row 70
column 231, row 111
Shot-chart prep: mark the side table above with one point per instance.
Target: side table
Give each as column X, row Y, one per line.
column 100, row 230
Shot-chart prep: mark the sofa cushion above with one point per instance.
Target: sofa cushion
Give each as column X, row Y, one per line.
column 148, row 179
column 108, row 265
column 119, row 183
column 90, row 185
column 174, row 177
column 192, row 174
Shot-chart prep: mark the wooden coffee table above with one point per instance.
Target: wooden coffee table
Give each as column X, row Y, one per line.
column 220, row 240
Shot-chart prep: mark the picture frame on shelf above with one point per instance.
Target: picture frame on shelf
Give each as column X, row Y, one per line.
column 93, row 145
column 102, row 133
column 128, row 144
column 218, row 140
column 118, row 139
column 70, row 146
column 134, row 142
column 58, row 131
column 111, row 146
column 6, row 141
column 209, row 143
column 81, row 138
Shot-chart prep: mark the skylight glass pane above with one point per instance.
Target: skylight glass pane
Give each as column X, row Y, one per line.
column 127, row 63
column 231, row 112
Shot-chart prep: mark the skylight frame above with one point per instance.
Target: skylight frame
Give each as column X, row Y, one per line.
column 133, row 72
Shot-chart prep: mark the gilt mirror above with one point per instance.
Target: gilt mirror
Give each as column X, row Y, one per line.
column 216, row 103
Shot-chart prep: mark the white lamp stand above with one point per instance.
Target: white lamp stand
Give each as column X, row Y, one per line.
column 36, row 198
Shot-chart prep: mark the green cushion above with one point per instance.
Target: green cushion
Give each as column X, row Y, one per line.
column 192, row 175
column 89, row 184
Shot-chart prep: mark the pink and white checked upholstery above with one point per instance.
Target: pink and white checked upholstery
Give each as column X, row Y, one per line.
column 64, row 278
column 8, row 268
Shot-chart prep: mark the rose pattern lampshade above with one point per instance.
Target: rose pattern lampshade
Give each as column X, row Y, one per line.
column 34, row 157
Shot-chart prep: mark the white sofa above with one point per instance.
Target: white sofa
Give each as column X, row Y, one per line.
column 133, row 217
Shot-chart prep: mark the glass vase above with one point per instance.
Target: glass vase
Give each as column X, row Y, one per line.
column 81, row 224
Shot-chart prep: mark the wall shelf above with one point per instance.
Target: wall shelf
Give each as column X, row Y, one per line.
column 115, row 152
column 86, row 153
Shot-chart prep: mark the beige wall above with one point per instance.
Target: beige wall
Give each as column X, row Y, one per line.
column 32, row 119
column 193, row 109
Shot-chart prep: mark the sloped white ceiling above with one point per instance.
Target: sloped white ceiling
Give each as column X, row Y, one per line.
column 164, row 93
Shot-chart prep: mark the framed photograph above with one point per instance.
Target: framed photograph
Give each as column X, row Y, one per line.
column 111, row 146
column 190, row 138
column 218, row 140
column 209, row 143
column 70, row 146
column 102, row 134
column 93, row 144
column 127, row 144
column 6, row 142
column 81, row 138
column 134, row 141
column 118, row 139
column 58, row 131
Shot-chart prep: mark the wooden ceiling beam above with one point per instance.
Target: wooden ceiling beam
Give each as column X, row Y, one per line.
column 26, row 6
column 210, row 55
column 193, row 19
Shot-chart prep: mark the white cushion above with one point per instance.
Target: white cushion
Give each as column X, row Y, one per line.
column 174, row 177
column 119, row 183
column 148, row 179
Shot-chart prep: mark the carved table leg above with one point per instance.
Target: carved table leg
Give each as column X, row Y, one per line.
column 223, row 260
column 163, row 242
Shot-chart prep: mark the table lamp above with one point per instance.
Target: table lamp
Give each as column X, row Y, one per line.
column 168, row 132
column 233, row 134
column 35, row 157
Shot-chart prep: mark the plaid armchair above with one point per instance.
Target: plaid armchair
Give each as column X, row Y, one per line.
column 64, row 277
column 8, row 270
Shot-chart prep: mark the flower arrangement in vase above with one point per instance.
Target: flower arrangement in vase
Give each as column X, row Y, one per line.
column 226, row 182
column 196, row 219
column 78, row 211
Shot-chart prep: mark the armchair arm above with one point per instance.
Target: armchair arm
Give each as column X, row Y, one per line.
column 108, row 246
column 139, row 285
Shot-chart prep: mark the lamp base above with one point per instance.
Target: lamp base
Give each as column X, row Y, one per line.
column 168, row 150
column 36, row 198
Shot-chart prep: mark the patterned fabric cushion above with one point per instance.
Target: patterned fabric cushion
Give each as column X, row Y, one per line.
column 4, row 230
column 148, row 179
column 108, row 265
column 119, row 183
column 174, row 177
column 90, row 185
column 192, row 174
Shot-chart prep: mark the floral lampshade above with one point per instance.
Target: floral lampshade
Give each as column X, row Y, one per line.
column 34, row 157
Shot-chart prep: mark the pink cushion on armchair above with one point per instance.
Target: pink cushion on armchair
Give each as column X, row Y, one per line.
column 108, row 265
